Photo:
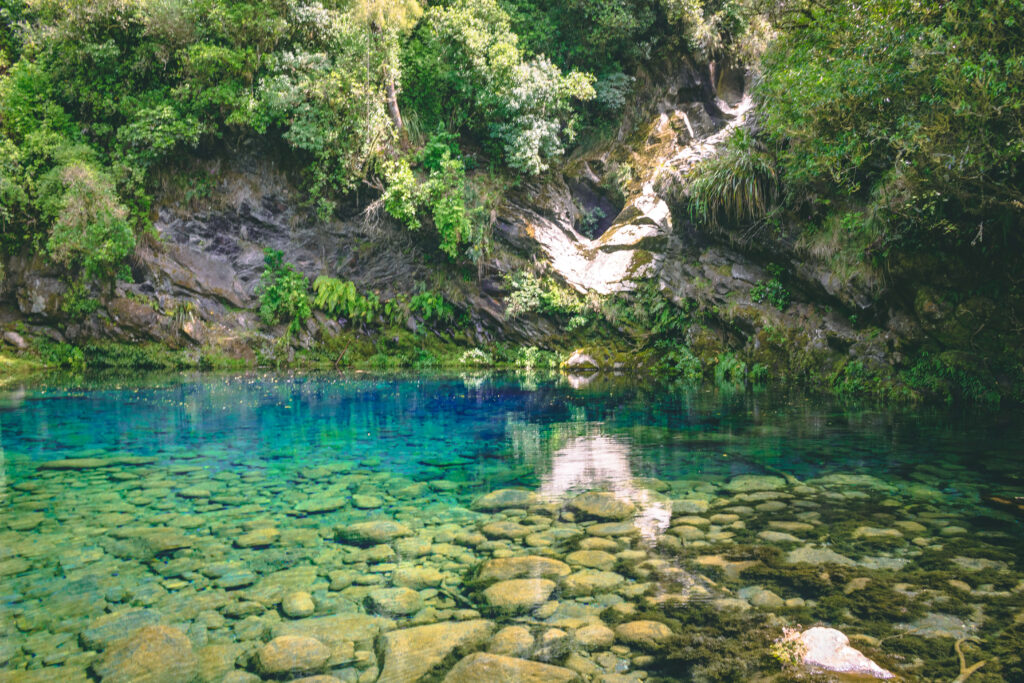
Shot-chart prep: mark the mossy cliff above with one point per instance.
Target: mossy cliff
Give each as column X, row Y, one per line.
column 599, row 255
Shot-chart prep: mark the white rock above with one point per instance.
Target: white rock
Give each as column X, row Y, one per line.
column 829, row 649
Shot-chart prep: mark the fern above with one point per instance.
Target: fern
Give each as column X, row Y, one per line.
column 341, row 298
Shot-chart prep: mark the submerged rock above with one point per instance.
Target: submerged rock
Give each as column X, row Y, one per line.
column 528, row 566
column 482, row 666
column 298, row 604
column 412, row 653
column 649, row 635
column 590, row 582
column 373, row 532
column 292, row 654
column 812, row 555
column 519, row 595
column 394, row 601
column 513, row 641
column 602, row 505
column 829, row 649
column 503, row 499
column 754, row 482
column 154, row 654
column 116, row 626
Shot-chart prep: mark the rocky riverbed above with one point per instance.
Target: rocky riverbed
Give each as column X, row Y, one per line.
column 124, row 568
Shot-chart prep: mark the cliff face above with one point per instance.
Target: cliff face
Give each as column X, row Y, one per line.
column 194, row 281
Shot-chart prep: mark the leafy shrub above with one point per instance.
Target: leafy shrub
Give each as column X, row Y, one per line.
column 402, row 194
column 341, row 298
column 476, row 357
column 941, row 376
column 445, row 194
column 432, row 307
column 529, row 294
column 730, row 370
column 465, row 71
column 771, row 291
column 676, row 360
column 77, row 304
column 283, row 292
column 90, row 225
column 60, row 354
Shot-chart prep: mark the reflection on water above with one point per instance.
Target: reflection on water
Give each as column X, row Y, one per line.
column 598, row 462
column 200, row 520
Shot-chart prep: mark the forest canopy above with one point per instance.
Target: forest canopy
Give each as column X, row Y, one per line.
column 881, row 124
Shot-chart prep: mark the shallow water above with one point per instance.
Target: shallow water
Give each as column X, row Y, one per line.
column 197, row 519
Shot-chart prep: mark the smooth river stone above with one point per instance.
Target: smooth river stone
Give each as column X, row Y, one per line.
column 613, row 529
column 516, row 596
column 481, row 666
column 512, row 641
column 590, row 582
column 258, row 538
column 412, row 653
column 602, row 505
column 754, row 482
column 648, row 635
column 394, row 601
column 338, row 632
column 509, row 530
column 778, row 537
column 417, row 578
column 292, row 654
column 373, row 532
column 528, row 566
column 503, row 499
column 320, row 505
column 594, row 559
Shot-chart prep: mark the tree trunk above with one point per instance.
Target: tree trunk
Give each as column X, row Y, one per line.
column 392, row 97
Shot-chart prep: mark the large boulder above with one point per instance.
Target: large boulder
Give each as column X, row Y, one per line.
column 411, row 654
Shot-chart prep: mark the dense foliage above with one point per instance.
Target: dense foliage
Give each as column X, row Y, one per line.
column 888, row 125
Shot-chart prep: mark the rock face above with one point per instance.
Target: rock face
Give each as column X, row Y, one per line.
column 292, row 654
column 482, row 666
column 829, row 649
column 153, row 654
column 412, row 653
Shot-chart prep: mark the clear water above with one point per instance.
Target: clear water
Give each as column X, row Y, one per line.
column 217, row 514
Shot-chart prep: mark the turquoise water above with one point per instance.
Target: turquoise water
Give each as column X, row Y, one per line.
column 395, row 528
